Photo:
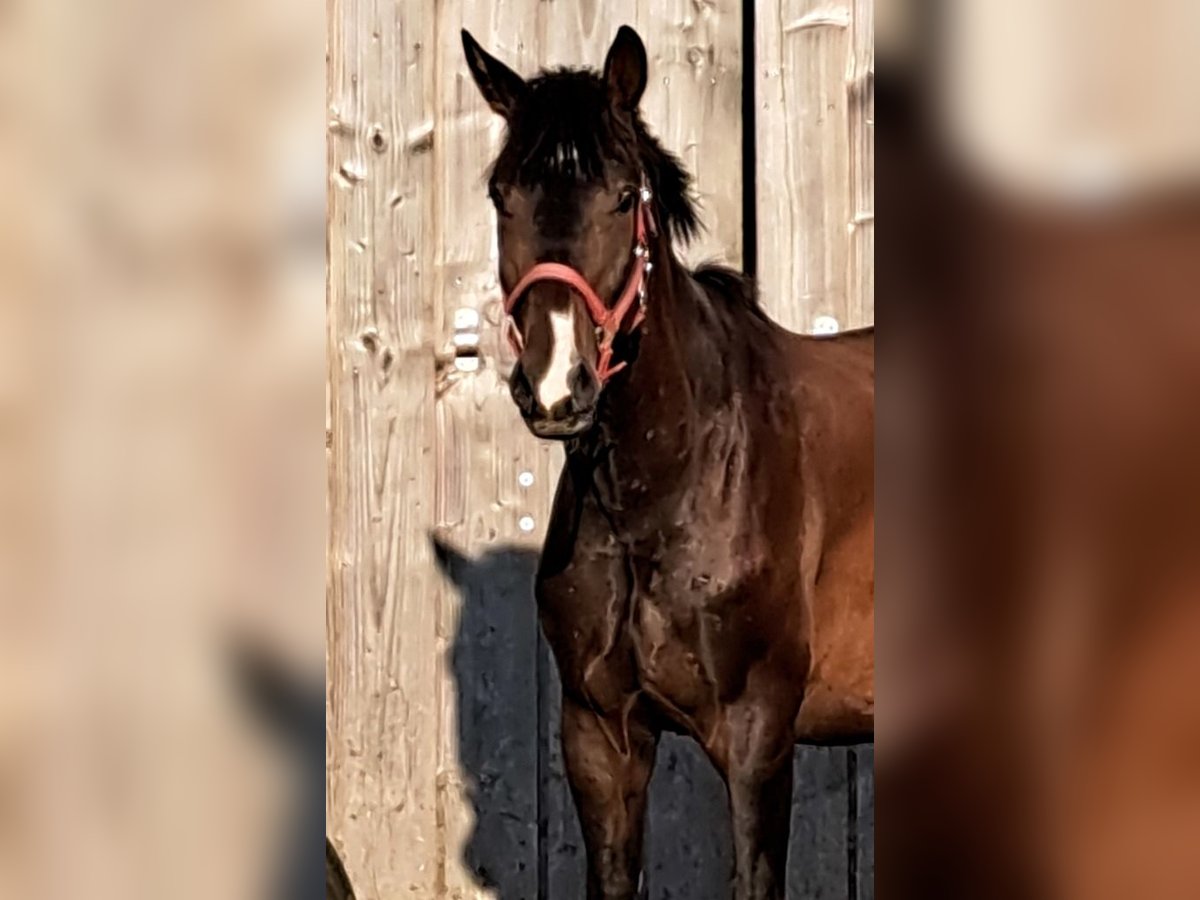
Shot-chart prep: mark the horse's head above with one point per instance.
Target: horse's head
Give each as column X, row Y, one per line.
column 572, row 188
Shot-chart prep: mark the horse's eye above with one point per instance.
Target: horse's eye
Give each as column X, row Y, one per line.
column 626, row 202
column 498, row 201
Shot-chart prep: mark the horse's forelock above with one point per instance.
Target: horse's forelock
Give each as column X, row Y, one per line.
column 567, row 129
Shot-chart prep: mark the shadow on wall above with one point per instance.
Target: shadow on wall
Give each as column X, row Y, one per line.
column 494, row 660
column 337, row 882
column 526, row 843
column 291, row 709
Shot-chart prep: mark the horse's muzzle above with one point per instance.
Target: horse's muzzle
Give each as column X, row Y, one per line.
column 561, row 429
column 569, row 417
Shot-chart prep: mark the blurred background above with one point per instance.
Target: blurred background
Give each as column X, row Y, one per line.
column 162, row 480
column 1037, row 455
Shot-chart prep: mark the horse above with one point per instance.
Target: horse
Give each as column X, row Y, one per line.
column 708, row 566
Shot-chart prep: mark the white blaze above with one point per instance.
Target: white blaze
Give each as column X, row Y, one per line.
column 554, row 387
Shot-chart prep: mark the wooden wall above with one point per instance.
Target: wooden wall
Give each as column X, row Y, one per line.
column 445, row 778
column 815, row 163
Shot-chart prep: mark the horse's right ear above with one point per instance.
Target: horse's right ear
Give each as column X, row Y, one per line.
column 501, row 87
column 625, row 69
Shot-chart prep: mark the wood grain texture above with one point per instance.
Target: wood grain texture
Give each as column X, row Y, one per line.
column 382, row 625
column 860, row 112
column 814, row 160
column 492, row 475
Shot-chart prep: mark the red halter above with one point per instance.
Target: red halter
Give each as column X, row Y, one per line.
column 607, row 321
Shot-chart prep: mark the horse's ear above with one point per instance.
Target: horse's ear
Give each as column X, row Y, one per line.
column 501, row 87
column 625, row 69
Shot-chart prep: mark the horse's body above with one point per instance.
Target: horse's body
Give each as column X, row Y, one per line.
column 709, row 563
column 720, row 519
column 708, row 567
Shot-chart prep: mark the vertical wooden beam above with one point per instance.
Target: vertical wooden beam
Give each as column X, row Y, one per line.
column 815, row 161
column 860, row 88
column 865, row 842
column 689, row 841
column 495, row 482
column 820, row 839
column 382, row 588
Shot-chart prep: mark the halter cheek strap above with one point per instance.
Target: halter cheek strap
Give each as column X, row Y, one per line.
column 608, row 320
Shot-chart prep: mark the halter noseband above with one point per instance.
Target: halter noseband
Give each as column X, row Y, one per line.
column 608, row 321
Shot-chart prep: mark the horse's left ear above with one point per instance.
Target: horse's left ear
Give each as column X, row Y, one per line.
column 625, row 69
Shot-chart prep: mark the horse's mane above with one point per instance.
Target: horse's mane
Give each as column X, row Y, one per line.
column 736, row 287
column 565, row 128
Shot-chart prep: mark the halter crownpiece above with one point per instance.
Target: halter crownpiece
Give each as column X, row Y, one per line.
column 608, row 320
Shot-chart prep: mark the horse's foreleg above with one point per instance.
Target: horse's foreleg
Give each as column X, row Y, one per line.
column 758, row 771
column 609, row 783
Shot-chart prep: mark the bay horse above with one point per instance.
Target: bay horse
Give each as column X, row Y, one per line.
column 709, row 563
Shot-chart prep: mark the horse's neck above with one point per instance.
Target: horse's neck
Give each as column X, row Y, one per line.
column 652, row 417
column 660, row 384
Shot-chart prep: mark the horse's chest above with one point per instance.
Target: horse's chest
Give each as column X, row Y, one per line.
column 679, row 630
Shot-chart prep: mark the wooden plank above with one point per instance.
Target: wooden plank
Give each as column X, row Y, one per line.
column 382, row 621
column 865, row 822
column 562, row 860
column 491, row 769
column 814, row 137
column 689, row 849
column 495, row 483
column 819, row 849
column 860, row 87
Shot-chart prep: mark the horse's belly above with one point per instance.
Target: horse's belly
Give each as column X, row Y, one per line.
column 839, row 699
column 835, row 713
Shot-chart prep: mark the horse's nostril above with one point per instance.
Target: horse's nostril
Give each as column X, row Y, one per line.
column 522, row 390
column 584, row 387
